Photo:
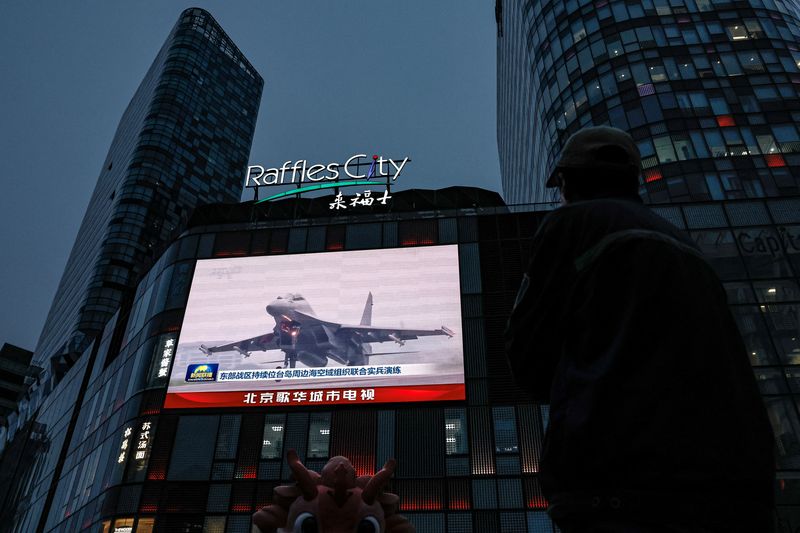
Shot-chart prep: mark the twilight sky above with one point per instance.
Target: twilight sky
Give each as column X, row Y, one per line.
column 403, row 78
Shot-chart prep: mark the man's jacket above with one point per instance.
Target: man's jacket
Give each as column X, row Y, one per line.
column 623, row 327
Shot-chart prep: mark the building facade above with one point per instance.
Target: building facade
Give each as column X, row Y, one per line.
column 464, row 465
column 183, row 140
column 707, row 88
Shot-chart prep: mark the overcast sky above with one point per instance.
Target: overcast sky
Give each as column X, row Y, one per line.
column 401, row 78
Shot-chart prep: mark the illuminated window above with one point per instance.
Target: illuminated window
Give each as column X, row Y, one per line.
column 455, row 431
column 272, row 442
column 145, row 525
column 123, row 525
column 652, row 175
column 775, row 160
column 725, row 121
column 664, row 149
column 214, row 524
column 319, row 435
column 766, row 144
column 683, row 147
column 657, row 73
column 737, row 32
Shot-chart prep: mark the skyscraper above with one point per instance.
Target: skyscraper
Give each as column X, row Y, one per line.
column 184, row 140
column 708, row 89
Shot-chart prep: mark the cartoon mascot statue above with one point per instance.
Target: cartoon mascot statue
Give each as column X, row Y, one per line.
column 334, row 502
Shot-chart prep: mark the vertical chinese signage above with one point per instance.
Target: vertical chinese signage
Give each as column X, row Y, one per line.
column 134, row 449
column 163, row 354
column 125, row 445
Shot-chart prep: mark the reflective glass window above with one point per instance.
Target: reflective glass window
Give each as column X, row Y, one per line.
column 319, row 434
column 683, row 147
column 782, row 322
column 505, row 430
column 664, row 149
column 771, row 381
column 720, row 249
column 781, row 290
column 786, row 426
column 753, row 329
column 763, row 252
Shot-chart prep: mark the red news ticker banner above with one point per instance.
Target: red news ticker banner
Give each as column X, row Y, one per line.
column 350, row 395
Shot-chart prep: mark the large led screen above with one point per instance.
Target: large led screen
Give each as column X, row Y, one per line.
column 354, row 327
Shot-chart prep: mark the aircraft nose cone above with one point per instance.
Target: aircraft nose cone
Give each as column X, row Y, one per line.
column 276, row 307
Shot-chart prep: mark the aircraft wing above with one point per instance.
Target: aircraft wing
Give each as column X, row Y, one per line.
column 262, row 343
column 382, row 334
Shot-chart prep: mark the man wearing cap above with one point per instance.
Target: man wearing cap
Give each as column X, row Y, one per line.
column 620, row 325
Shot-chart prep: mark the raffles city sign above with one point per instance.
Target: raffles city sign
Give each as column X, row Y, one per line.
column 357, row 170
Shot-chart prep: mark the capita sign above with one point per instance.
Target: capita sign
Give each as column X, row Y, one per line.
column 357, row 170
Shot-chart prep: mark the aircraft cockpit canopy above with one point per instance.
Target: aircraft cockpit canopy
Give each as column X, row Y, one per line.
column 292, row 297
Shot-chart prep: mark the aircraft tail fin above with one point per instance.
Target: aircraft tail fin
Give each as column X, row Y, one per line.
column 366, row 317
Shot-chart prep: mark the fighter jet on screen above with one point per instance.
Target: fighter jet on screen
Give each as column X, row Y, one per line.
column 312, row 341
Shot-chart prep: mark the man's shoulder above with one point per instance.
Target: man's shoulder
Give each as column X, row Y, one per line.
column 607, row 216
column 584, row 224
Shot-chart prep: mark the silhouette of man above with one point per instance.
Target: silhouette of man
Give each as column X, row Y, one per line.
column 620, row 325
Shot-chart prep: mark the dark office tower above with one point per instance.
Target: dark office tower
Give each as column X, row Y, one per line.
column 707, row 88
column 519, row 126
column 184, row 140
